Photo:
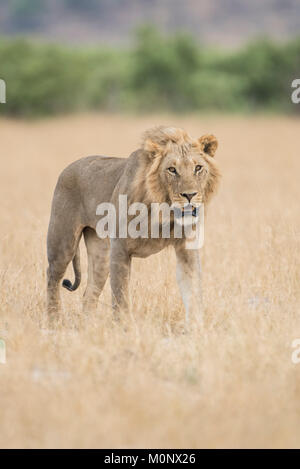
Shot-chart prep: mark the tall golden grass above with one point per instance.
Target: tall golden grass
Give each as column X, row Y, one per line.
column 93, row 384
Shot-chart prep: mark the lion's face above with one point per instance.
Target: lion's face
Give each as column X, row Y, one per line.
column 185, row 177
column 183, row 171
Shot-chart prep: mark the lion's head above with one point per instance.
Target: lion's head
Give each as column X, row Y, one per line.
column 180, row 170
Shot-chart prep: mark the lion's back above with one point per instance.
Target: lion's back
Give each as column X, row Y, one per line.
column 92, row 172
column 87, row 182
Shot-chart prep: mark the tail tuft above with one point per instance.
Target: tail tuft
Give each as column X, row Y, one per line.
column 67, row 284
column 76, row 265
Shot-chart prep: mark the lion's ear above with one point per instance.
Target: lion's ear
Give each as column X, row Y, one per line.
column 152, row 148
column 208, row 144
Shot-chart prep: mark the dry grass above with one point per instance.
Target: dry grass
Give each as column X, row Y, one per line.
column 91, row 384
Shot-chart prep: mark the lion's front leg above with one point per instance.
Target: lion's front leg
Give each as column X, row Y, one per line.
column 120, row 263
column 188, row 275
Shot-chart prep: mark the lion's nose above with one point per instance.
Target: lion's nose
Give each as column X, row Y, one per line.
column 189, row 196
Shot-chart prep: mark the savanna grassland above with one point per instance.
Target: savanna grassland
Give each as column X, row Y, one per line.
column 91, row 383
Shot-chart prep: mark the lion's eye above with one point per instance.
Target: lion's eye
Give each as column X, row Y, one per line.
column 198, row 168
column 172, row 170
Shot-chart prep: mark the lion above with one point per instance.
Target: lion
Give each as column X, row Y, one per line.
column 169, row 167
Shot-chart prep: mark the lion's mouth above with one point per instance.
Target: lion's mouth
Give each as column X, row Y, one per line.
column 186, row 211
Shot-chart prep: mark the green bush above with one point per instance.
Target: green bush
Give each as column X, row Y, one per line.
column 163, row 69
column 157, row 73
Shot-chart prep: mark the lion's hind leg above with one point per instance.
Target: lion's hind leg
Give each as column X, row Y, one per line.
column 98, row 268
column 62, row 245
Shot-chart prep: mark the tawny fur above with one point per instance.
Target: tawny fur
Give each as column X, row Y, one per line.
column 144, row 177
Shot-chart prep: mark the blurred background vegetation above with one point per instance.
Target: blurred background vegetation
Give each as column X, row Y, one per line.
column 50, row 66
column 158, row 72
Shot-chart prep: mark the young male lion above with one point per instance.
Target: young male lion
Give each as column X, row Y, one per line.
column 170, row 167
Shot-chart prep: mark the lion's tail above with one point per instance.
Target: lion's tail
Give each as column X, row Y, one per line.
column 76, row 266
